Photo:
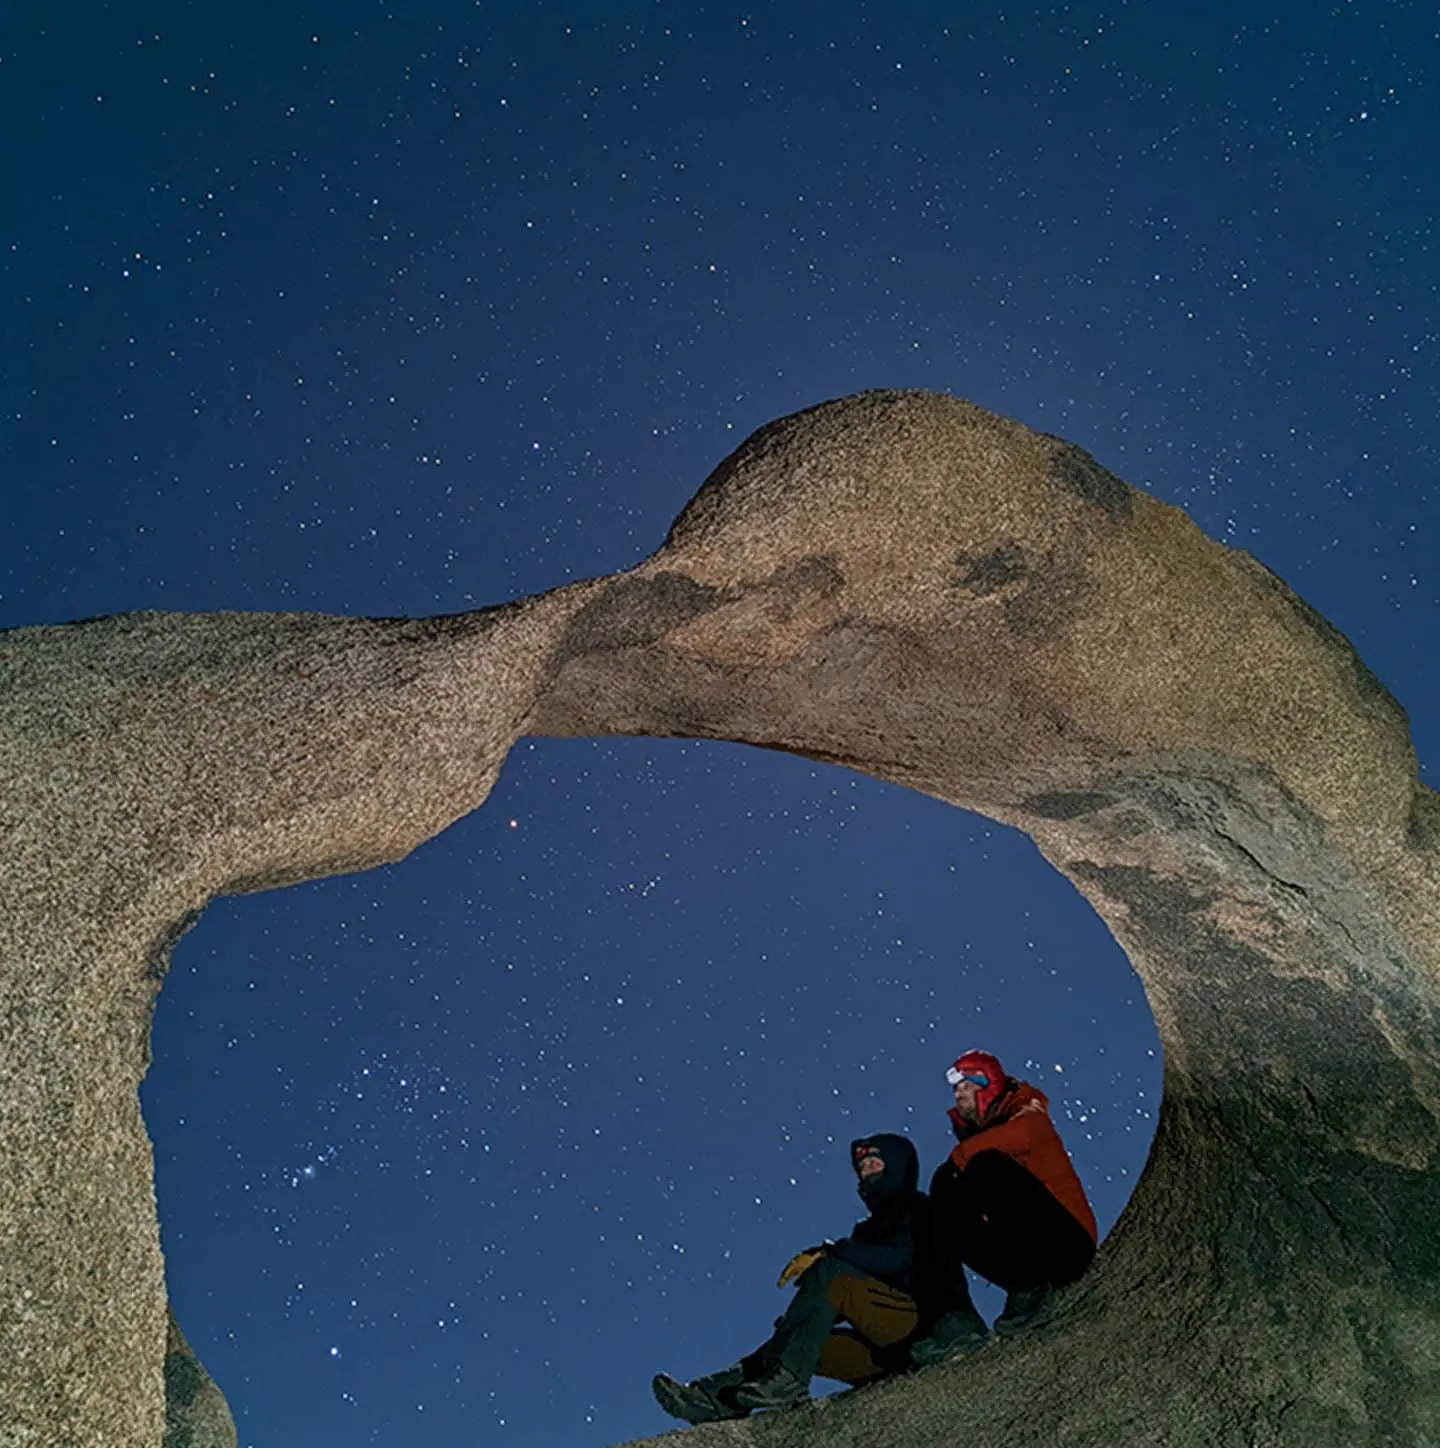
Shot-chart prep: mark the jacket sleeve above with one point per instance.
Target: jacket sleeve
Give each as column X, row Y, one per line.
column 882, row 1247
column 1014, row 1137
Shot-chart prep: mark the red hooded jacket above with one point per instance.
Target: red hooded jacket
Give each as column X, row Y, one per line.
column 1019, row 1125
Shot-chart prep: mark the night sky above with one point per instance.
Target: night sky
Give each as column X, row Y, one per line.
column 399, row 311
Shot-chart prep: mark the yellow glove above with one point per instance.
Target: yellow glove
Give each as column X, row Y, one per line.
column 799, row 1264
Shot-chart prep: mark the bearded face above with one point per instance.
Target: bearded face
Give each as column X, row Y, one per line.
column 967, row 1101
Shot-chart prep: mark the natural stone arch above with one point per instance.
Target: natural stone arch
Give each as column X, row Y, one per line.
column 917, row 589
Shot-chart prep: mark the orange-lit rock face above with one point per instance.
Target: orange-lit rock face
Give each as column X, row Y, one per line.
column 917, row 589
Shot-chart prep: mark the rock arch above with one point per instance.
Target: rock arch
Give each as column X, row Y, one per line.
column 917, row 589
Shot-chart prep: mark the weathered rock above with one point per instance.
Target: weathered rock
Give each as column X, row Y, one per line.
column 196, row 1413
column 914, row 588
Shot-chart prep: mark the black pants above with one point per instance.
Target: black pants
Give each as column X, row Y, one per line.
column 1002, row 1222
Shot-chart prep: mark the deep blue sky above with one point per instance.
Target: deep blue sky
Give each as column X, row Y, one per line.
column 390, row 311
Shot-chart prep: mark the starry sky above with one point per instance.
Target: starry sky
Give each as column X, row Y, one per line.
column 382, row 309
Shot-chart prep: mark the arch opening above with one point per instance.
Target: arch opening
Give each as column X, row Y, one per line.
column 614, row 1052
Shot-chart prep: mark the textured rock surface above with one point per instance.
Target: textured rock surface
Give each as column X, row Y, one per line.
column 196, row 1413
column 914, row 588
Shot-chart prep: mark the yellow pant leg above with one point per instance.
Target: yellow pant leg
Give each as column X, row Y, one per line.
column 879, row 1315
column 846, row 1358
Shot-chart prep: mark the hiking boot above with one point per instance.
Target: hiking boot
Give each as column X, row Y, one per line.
column 777, row 1388
column 700, row 1401
column 1025, row 1307
column 957, row 1331
column 730, row 1377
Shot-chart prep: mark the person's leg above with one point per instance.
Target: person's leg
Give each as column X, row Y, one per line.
column 958, row 1220
column 801, row 1330
column 881, row 1314
column 956, row 1225
column 707, row 1399
column 1019, row 1236
column 846, row 1357
column 792, row 1354
column 778, row 1372
column 882, row 1317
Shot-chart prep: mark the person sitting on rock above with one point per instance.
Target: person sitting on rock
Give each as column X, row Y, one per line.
column 1006, row 1203
column 868, row 1280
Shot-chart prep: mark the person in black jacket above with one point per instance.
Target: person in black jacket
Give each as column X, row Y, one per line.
column 874, row 1281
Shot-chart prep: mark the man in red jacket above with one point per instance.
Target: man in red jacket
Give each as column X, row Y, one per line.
column 1007, row 1204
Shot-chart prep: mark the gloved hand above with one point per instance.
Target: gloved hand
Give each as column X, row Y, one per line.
column 800, row 1264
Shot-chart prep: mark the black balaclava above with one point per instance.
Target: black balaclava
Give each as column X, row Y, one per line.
column 902, row 1167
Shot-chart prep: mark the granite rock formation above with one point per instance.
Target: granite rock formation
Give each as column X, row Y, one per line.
column 196, row 1413
column 914, row 588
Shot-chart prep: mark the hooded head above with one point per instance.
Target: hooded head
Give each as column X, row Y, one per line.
column 899, row 1169
column 979, row 1081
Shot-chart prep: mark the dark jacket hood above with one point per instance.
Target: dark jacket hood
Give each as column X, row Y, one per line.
column 902, row 1168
